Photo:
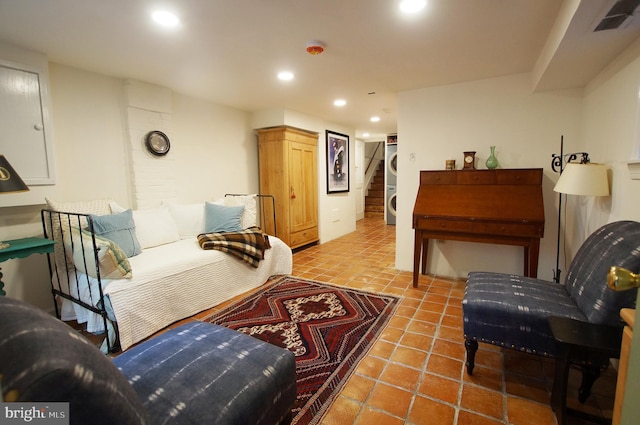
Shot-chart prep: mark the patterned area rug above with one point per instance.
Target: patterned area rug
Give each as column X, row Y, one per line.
column 328, row 328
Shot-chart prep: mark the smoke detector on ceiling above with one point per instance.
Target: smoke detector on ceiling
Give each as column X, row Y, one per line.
column 619, row 15
column 315, row 47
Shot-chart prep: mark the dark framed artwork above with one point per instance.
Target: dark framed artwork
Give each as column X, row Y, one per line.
column 337, row 162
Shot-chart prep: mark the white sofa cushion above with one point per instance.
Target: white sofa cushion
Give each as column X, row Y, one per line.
column 250, row 213
column 96, row 206
column 188, row 217
column 155, row 226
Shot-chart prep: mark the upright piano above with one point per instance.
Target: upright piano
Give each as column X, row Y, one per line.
column 501, row 206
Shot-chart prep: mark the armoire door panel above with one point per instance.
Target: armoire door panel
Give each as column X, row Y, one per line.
column 303, row 200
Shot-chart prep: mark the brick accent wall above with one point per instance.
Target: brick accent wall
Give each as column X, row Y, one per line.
column 153, row 178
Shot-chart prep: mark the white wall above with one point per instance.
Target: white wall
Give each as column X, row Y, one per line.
column 436, row 124
column 357, row 180
column 610, row 127
column 216, row 149
column 89, row 126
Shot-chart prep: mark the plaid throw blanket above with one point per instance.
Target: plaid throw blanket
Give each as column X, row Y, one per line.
column 248, row 245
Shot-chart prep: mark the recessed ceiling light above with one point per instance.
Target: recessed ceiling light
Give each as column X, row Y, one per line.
column 339, row 102
column 285, row 75
column 412, row 6
column 365, row 134
column 375, row 118
column 165, row 18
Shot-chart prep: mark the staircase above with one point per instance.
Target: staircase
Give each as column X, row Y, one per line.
column 374, row 201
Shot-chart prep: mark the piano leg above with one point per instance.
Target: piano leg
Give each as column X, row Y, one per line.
column 532, row 252
column 425, row 254
column 417, row 251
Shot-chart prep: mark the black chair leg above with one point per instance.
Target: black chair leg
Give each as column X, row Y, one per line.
column 472, row 347
column 590, row 373
column 560, row 384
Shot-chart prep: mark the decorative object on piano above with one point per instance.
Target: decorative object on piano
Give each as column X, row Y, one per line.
column 450, row 164
column 492, row 161
column 576, row 178
column 10, row 181
column 469, row 161
column 337, row 162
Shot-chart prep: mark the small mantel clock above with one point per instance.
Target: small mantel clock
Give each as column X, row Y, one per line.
column 469, row 161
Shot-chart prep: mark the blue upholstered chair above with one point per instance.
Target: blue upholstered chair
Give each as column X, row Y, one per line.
column 512, row 311
column 196, row 373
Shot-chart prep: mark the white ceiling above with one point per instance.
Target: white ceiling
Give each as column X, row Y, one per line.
column 229, row 51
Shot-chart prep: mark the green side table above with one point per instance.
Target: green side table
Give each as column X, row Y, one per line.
column 22, row 248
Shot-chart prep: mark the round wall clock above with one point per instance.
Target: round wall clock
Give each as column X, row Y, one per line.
column 157, row 143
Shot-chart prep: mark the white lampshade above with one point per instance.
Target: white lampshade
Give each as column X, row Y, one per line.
column 583, row 179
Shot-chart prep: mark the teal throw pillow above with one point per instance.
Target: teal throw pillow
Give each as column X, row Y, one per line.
column 221, row 218
column 120, row 229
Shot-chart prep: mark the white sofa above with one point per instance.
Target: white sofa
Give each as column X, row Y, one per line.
column 172, row 278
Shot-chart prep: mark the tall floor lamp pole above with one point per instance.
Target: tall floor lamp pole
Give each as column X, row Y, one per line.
column 557, row 162
column 576, row 178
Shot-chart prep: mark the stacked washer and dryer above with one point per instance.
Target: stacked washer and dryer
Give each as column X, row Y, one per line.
column 391, row 178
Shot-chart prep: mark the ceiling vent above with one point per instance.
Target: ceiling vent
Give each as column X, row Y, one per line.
column 618, row 16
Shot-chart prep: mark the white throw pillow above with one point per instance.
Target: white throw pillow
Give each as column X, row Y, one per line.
column 188, row 217
column 250, row 213
column 116, row 208
column 155, row 226
column 95, row 206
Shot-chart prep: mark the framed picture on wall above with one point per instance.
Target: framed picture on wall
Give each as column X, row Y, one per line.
column 337, row 162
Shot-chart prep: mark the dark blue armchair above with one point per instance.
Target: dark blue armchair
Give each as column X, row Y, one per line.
column 512, row 311
column 196, row 373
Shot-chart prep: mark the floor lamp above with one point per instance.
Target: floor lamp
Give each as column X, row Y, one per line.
column 583, row 179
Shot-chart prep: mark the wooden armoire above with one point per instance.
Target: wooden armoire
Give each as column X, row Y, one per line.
column 289, row 171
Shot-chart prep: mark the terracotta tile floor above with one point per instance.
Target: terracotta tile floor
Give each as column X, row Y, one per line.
column 415, row 373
